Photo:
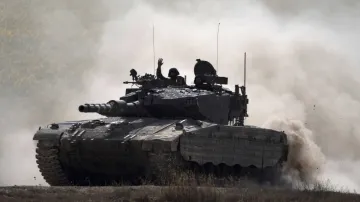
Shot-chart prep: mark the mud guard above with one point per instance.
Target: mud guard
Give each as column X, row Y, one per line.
column 48, row 135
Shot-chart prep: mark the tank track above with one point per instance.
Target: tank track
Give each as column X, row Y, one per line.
column 161, row 168
column 47, row 158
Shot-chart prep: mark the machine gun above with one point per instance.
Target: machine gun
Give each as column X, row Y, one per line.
column 145, row 82
column 210, row 82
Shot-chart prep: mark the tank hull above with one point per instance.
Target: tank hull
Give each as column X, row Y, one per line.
column 101, row 151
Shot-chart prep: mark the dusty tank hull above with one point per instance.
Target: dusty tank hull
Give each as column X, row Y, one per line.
column 122, row 148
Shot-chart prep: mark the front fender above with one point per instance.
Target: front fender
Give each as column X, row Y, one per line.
column 53, row 132
column 48, row 135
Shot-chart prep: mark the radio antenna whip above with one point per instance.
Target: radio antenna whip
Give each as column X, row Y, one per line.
column 245, row 69
column 154, row 47
column 217, row 48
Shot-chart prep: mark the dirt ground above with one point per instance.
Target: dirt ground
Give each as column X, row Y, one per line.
column 160, row 194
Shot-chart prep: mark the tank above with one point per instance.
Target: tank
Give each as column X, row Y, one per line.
column 201, row 126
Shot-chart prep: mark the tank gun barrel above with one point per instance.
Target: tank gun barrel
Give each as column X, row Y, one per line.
column 131, row 82
column 89, row 108
column 113, row 108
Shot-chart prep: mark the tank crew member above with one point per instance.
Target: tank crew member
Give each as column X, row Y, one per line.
column 204, row 67
column 173, row 75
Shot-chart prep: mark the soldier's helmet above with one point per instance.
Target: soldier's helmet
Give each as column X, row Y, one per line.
column 173, row 72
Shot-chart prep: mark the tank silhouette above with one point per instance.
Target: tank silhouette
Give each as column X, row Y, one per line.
column 201, row 126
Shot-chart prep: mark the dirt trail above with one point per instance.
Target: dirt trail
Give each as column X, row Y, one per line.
column 181, row 194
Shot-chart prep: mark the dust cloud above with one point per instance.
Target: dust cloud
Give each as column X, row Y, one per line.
column 301, row 78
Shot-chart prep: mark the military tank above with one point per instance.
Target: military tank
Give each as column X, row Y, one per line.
column 200, row 125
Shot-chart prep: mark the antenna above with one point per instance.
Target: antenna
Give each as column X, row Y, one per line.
column 217, row 48
column 245, row 69
column 154, row 47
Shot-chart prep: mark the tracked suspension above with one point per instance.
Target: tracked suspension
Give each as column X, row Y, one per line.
column 49, row 164
column 164, row 169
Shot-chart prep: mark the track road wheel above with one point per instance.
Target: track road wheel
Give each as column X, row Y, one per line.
column 50, row 166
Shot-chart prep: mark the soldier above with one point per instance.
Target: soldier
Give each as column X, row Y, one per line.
column 203, row 67
column 173, row 75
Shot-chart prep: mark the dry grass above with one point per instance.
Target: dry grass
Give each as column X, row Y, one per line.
column 171, row 194
column 181, row 187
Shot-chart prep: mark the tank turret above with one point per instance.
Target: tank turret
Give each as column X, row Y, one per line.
column 205, row 100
